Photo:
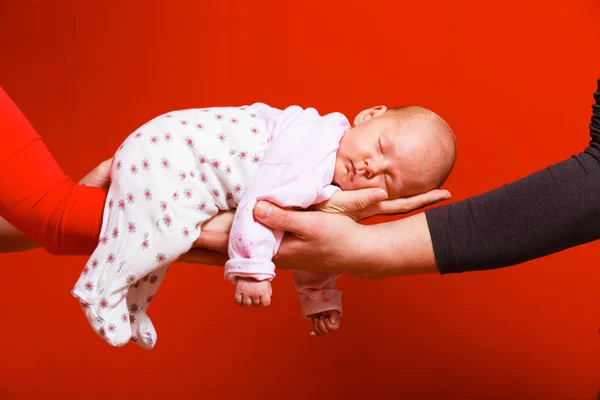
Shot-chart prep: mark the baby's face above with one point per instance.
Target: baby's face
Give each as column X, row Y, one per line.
column 375, row 154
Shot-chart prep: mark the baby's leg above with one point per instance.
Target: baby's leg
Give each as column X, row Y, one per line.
column 143, row 292
column 122, row 300
column 117, row 263
column 144, row 230
column 138, row 301
column 140, row 296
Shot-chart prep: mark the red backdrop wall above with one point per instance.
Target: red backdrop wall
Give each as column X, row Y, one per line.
column 513, row 78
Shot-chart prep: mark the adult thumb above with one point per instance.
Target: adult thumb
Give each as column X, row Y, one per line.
column 356, row 200
column 296, row 222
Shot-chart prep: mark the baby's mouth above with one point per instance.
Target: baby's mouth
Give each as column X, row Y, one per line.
column 351, row 172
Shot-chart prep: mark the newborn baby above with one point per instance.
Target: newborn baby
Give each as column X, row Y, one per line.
column 180, row 169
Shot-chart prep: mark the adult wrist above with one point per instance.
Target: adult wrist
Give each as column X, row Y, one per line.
column 366, row 252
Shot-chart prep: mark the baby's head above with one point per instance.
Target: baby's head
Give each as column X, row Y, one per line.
column 404, row 150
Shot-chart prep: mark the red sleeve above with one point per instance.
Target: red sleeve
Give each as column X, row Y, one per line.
column 35, row 194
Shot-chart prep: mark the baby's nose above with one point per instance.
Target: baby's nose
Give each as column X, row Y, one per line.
column 371, row 168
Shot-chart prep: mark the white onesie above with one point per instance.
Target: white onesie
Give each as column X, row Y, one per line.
column 176, row 172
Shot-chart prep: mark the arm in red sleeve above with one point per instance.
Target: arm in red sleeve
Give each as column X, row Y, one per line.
column 35, row 194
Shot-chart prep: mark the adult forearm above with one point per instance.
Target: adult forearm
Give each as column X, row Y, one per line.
column 401, row 247
column 204, row 257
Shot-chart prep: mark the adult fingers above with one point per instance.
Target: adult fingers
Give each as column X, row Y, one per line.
column 406, row 204
column 352, row 200
column 99, row 176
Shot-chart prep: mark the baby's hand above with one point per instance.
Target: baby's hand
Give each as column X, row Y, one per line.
column 325, row 322
column 250, row 292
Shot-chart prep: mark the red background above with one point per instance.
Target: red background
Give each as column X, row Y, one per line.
column 513, row 78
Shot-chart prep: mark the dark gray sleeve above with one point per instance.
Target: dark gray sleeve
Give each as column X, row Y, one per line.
column 543, row 213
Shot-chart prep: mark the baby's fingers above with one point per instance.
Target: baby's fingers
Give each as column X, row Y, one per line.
column 316, row 329
column 321, row 328
column 265, row 299
column 255, row 300
column 247, row 301
column 332, row 324
column 333, row 316
column 238, row 299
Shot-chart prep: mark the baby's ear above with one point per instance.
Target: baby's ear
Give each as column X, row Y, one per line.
column 368, row 114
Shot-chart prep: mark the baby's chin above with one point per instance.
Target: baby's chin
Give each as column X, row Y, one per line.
column 339, row 182
column 336, row 180
column 343, row 186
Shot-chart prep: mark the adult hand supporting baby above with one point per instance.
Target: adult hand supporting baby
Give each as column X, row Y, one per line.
column 215, row 233
column 99, row 176
column 345, row 207
column 211, row 247
column 341, row 245
column 365, row 203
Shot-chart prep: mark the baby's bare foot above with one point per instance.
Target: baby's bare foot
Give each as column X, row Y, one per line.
column 250, row 292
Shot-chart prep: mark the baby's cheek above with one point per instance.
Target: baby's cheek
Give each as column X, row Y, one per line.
column 338, row 177
column 364, row 183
